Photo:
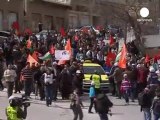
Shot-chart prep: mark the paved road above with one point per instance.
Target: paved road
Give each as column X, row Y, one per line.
column 60, row 110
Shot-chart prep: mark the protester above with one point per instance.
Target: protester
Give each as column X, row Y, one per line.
column 48, row 81
column 78, row 82
column 125, row 88
column 156, row 105
column 96, row 78
column 103, row 105
column 27, row 79
column 76, row 105
column 118, row 76
column 65, row 79
column 145, row 101
column 9, row 76
column 92, row 97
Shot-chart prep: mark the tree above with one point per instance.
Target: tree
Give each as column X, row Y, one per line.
column 128, row 13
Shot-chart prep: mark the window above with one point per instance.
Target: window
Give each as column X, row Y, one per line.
column 36, row 19
column 48, row 22
column 73, row 21
column 91, row 69
column 85, row 20
column 59, row 22
column 12, row 17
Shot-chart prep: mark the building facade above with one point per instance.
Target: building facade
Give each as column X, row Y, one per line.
column 51, row 14
column 85, row 12
column 29, row 13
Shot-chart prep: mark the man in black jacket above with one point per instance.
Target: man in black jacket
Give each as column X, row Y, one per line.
column 103, row 105
column 147, row 103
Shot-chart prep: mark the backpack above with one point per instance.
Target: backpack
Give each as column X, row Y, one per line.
column 141, row 100
column 156, row 108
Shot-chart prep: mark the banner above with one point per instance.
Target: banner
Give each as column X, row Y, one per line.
column 62, row 55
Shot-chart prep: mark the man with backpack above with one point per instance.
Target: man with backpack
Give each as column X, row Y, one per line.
column 156, row 105
column 103, row 105
column 145, row 101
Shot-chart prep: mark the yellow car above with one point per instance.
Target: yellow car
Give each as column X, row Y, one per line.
column 88, row 69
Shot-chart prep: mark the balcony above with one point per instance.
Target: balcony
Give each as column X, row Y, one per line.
column 60, row 2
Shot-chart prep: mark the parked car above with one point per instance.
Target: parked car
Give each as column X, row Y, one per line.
column 88, row 28
column 4, row 35
column 44, row 33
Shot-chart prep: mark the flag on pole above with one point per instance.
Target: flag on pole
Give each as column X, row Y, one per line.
column 62, row 31
column 111, row 40
column 68, row 46
column 35, row 55
column 123, row 60
column 29, row 43
column 31, row 60
column 47, row 56
column 52, row 50
column 118, row 57
column 147, row 58
column 110, row 57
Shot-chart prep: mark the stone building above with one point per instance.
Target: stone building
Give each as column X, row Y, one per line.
column 50, row 13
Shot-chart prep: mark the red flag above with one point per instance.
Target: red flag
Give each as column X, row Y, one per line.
column 62, row 31
column 123, row 59
column 31, row 60
column 35, row 55
column 52, row 50
column 68, row 46
column 28, row 31
column 111, row 40
column 61, row 62
column 110, row 57
column 76, row 38
column 15, row 25
column 147, row 59
column 29, row 43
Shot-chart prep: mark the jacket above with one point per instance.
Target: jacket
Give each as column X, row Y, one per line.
column 96, row 78
column 147, row 101
column 153, row 78
column 12, row 113
column 103, row 104
column 10, row 75
column 92, row 92
column 48, row 78
column 125, row 85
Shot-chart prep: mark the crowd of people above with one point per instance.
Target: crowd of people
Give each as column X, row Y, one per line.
column 48, row 77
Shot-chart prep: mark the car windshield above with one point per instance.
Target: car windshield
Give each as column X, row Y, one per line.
column 90, row 70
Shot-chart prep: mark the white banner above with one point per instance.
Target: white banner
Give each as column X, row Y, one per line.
column 62, row 55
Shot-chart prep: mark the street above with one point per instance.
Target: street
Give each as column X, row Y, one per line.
column 60, row 110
